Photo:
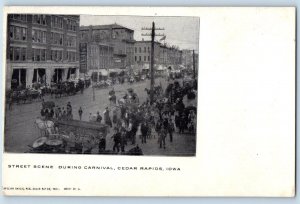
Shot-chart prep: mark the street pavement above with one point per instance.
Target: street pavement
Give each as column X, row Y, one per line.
column 21, row 130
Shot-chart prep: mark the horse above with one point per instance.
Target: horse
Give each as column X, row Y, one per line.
column 45, row 126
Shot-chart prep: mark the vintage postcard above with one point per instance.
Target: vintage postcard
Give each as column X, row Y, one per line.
column 156, row 101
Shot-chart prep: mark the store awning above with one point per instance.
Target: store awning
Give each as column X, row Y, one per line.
column 160, row 68
column 103, row 72
column 116, row 70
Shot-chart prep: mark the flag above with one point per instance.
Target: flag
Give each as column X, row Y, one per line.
column 163, row 38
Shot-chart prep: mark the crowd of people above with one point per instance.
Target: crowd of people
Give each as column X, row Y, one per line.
column 131, row 122
column 59, row 113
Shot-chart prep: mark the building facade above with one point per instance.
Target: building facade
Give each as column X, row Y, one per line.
column 117, row 36
column 41, row 48
column 98, row 59
column 163, row 55
column 170, row 56
column 142, row 52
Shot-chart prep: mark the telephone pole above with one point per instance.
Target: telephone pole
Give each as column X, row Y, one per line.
column 152, row 59
column 194, row 66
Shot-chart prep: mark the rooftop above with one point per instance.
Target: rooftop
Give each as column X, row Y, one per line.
column 104, row 27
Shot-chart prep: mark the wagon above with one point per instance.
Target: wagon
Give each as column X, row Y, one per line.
column 83, row 135
column 81, row 128
column 72, row 136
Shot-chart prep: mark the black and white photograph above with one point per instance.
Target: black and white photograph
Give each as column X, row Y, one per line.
column 107, row 85
column 205, row 94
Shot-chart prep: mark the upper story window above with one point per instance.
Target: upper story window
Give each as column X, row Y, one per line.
column 56, row 22
column 71, row 41
column 17, row 33
column 38, row 36
column 19, row 17
column 17, row 54
column 39, row 19
column 57, row 38
column 71, row 25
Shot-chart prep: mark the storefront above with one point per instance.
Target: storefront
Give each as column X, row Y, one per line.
column 99, row 75
column 18, row 78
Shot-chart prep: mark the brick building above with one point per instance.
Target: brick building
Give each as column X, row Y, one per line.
column 98, row 59
column 170, row 56
column 41, row 48
column 163, row 55
column 142, row 52
column 117, row 36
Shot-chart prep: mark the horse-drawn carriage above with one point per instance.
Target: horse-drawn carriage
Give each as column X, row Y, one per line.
column 66, row 88
column 102, row 84
column 23, row 96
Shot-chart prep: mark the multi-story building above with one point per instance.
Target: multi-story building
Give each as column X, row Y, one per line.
column 117, row 36
column 98, row 59
column 41, row 48
column 163, row 55
column 142, row 52
column 187, row 59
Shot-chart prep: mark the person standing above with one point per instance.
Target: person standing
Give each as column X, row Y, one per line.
column 158, row 129
column 69, row 111
column 144, row 131
column 102, row 143
column 117, row 140
column 107, row 119
column 99, row 117
column 171, row 129
column 129, row 130
column 80, row 113
column 115, row 116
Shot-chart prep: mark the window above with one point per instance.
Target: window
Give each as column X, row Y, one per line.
column 18, row 33
column 145, row 50
column 71, row 25
column 140, row 58
column 57, row 38
column 18, row 17
column 43, row 55
column 24, row 34
column 140, row 49
column 11, row 54
column 149, row 58
column 71, row 41
column 56, row 22
column 55, row 55
column 145, row 59
column 17, row 53
column 135, row 49
column 148, row 49
column 11, row 32
column 38, row 55
column 43, row 37
column 135, row 58
column 38, row 36
column 39, row 19
column 61, row 37
column 44, row 20
column 23, row 54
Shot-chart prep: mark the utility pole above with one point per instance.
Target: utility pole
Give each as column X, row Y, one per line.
column 194, row 66
column 152, row 59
